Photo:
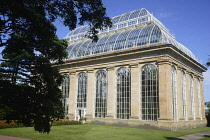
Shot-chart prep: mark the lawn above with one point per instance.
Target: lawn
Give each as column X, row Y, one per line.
column 97, row 132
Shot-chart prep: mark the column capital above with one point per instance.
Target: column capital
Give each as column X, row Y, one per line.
column 196, row 76
column 72, row 73
column 189, row 72
column 179, row 67
column 90, row 71
column 110, row 68
column 201, row 78
column 163, row 62
column 81, row 70
column 134, row 65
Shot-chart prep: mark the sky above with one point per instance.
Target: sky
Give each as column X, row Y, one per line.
column 187, row 20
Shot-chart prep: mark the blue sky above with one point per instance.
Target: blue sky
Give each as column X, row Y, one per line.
column 187, row 20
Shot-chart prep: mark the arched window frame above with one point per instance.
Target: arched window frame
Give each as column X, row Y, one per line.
column 123, row 106
column 174, row 93
column 65, row 92
column 82, row 90
column 101, row 94
column 149, row 93
column 184, row 97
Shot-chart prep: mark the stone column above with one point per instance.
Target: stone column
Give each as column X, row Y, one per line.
column 90, row 94
column 179, row 94
column 135, row 91
column 188, row 96
column 189, row 100
column 195, row 86
column 72, row 96
column 194, row 97
column 111, row 95
column 165, row 92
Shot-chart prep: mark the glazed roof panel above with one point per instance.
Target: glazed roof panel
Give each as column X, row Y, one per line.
column 130, row 30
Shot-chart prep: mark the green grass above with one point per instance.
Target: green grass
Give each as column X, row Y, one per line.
column 97, row 132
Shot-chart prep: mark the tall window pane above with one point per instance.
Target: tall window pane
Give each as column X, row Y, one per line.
column 65, row 93
column 101, row 94
column 184, row 98
column 199, row 98
column 174, row 94
column 192, row 111
column 82, row 90
column 123, row 93
column 150, row 103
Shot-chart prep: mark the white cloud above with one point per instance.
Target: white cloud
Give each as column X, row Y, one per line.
column 163, row 14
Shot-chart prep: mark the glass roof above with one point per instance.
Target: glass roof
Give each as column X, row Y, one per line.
column 142, row 29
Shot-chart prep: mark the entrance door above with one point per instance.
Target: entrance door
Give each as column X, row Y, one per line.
column 80, row 113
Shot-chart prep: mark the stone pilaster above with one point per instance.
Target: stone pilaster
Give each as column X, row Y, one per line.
column 90, row 94
column 165, row 92
column 111, row 95
column 179, row 94
column 135, row 91
column 189, row 100
column 188, row 96
column 72, row 96
column 195, row 86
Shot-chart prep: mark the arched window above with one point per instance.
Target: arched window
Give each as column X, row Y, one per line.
column 149, row 94
column 192, row 110
column 101, row 94
column 65, row 92
column 199, row 98
column 174, row 94
column 82, row 90
column 123, row 93
column 184, row 98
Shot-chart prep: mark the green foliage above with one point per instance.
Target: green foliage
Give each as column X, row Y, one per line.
column 65, row 122
column 208, row 105
column 12, row 124
column 15, row 124
column 28, row 35
column 82, row 119
column 4, row 110
column 208, row 115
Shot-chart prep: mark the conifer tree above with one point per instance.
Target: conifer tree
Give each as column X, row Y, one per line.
column 28, row 79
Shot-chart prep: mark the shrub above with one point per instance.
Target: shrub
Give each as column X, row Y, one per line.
column 13, row 124
column 208, row 119
column 65, row 122
column 82, row 119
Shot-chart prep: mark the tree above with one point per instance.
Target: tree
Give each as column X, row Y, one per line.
column 208, row 63
column 28, row 35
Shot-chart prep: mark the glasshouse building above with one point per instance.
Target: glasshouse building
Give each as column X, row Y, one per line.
column 135, row 75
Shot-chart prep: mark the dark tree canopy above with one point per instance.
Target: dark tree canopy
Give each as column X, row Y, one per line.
column 28, row 81
column 208, row 63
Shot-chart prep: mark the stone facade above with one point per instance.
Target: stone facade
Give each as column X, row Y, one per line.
column 163, row 56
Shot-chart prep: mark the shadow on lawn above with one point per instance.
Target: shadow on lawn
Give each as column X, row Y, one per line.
column 207, row 136
column 171, row 138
